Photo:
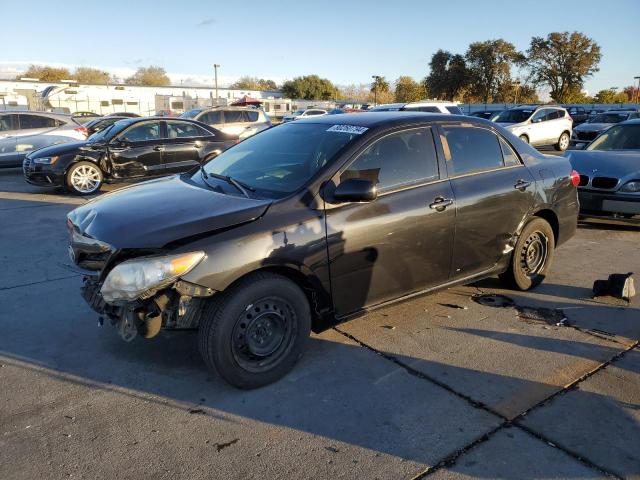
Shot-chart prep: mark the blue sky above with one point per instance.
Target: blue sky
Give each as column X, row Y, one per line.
column 346, row 41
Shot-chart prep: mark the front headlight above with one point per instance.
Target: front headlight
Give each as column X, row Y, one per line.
column 631, row 187
column 132, row 278
column 46, row 160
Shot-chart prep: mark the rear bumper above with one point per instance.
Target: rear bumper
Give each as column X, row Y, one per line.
column 608, row 204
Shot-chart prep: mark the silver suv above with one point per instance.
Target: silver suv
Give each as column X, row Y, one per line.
column 24, row 132
column 539, row 125
column 240, row 121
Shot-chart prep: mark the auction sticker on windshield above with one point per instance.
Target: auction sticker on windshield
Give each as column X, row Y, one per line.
column 348, row 129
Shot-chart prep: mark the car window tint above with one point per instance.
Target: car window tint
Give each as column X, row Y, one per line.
column 472, row 150
column 509, row 156
column 233, row 116
column 424, row 109
column 398, row 159
column 251, row 116
column 36, row 121
column 5, row 123
column 184, row 130
column 540, row 115
column 553, row 114
column 142, row 132
column 212, row 118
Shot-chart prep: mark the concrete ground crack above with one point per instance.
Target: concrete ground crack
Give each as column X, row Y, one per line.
column 39, row 282
column 451, row 458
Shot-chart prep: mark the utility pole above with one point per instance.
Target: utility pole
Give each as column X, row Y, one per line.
column 215, row 69
column 375, row 88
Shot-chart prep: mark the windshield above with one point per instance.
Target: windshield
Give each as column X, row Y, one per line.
column 280, row 160
column 609, row 118
column 190, row 113
column 513, row 116
column 620, row 137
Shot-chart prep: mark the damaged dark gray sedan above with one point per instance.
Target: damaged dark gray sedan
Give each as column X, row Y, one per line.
column 316, row 221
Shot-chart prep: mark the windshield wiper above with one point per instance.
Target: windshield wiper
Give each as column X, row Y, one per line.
column 239, row 185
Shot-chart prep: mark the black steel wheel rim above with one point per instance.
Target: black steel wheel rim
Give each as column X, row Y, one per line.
column 534, row 254
column 263, row 334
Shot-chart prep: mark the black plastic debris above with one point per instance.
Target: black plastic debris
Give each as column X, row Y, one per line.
column 453, row 305
column 550, row 316
column 618, row 285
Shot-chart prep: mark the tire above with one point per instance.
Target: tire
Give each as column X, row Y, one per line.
column 524, row 138
column 563, row 142
column 532, row 256
column 254, row 333
column 84, row 178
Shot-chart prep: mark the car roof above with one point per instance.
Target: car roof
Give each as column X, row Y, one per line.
column 375, row 119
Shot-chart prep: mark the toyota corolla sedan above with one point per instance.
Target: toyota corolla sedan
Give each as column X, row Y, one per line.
column 316, row 221
column 609, row 171
column 129, row 148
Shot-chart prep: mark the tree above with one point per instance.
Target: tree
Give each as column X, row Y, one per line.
column 609, row 95
column 309, row 87
column 563, row 61
column 152, row 76
column 633, row 93
column 254, row 83
column 447, row 77
column 489, row 66
column 380, row 91
column 46, row 74
column 408, row 90
column 91, row 75
column 354, row 92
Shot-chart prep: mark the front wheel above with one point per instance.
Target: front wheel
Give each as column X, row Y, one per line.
column 563, row 142
column 524, row 138
column 531, row 258
column 84, row 178
column 256, row 332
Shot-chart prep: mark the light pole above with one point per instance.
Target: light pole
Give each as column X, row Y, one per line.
column 375, row 88
column 215, row 70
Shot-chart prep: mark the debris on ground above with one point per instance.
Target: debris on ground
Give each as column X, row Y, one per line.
column 194, row 411
column 388, row 327
column 332, row 449
column 618, row 285
column 550, row 316
column 222, row 446
column 453, row 305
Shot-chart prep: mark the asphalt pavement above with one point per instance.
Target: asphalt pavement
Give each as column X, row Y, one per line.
column 474, row 381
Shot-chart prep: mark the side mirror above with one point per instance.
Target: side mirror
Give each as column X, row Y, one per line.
column 356, row 190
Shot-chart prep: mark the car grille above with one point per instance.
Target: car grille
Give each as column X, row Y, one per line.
column 604, row 182
column 586, row 135
column 584, row 180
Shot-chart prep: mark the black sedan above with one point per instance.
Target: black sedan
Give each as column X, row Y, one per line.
column 315, row 221
column 609, row 171
column 129, row 148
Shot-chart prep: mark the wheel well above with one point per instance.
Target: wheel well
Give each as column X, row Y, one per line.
column 524, row 135
column 567, row 132
column 552, row 219
column 318, row 300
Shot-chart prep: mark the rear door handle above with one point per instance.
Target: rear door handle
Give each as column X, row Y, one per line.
column 440, row 203
column 522, row 185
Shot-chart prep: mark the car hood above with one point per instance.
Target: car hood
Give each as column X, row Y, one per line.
column 592, row 127
column 155, row 213
column 60, row 149
column 606, row 163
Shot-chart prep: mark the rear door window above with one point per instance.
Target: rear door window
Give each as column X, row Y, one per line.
column 6, row 123
column 471, row 150
column 233, row 116
column 35, row 121
column 400, row 159
column 177, row 129
column 508, row 154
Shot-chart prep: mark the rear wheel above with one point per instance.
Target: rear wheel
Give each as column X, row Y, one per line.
column 531, row 257
column 563, row 142
column 256, row 332
column 84, row 178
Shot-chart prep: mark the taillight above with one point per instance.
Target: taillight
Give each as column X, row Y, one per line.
column 575, row 178
column 82, row 130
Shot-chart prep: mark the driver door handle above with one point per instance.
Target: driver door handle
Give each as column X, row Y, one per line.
column 440, row 203
column 522, row 185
